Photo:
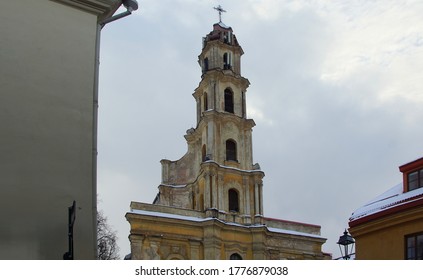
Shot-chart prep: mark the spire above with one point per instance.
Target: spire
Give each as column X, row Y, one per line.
column 220, row 10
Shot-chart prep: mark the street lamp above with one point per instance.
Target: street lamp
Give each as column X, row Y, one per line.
column 347, row 242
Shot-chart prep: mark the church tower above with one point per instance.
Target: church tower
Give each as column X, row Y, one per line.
column 210, row 201
column 217, row 173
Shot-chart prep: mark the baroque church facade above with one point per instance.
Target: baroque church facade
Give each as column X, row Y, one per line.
column 210, row 201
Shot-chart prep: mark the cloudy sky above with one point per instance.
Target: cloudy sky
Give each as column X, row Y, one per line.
column 336, row 93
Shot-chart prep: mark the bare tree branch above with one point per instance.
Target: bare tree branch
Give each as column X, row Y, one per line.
column 106, row 240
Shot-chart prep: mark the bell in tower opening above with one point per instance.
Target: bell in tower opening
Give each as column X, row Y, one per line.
column 210, row 201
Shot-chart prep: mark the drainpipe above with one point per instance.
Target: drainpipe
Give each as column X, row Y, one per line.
column 130, row 5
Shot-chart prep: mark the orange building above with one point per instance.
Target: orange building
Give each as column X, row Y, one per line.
column 390, row 227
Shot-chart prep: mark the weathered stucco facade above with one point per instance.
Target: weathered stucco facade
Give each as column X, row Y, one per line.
column 210, row 202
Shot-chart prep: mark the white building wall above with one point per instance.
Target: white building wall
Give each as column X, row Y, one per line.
column 47, row 129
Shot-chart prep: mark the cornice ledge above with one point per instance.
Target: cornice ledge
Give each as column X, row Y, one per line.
column 101, row 8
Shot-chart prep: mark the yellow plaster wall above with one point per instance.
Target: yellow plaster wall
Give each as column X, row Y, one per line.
column 383, row 239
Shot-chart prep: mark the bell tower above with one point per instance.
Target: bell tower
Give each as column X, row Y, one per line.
column 210, row 201
column 217, row 172
column 220, row 99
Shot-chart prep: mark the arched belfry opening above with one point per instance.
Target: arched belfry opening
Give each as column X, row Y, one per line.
column 233, row 200
column 235, row 256
column 231, row 150
column 229, row 100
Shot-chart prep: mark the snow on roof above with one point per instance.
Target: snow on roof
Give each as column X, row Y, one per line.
column 292, row 232
column 389, row 199
column 168, row 215
column 197, row 219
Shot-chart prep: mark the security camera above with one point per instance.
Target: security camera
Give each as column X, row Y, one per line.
column 130, row 5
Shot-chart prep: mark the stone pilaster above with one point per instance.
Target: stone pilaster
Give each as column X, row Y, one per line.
column 136, row 246
column 195, row 247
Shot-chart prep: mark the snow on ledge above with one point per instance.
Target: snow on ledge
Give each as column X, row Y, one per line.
column 197, row 219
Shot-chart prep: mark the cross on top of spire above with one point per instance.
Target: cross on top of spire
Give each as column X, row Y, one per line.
column 220, row 10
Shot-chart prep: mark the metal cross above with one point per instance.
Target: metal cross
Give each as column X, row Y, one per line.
column 220, row 10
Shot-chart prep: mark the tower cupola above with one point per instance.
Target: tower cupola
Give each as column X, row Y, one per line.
column 221, row 50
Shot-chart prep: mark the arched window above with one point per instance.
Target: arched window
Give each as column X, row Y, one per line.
column 229, row 100
column 233, row 200
column 231, row 150
column 205, row 102
column 235, row 256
